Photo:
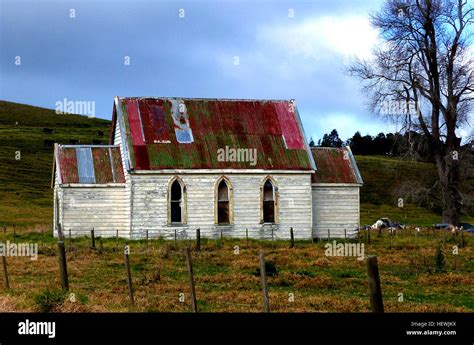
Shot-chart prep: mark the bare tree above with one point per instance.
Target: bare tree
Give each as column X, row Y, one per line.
column 425, row 62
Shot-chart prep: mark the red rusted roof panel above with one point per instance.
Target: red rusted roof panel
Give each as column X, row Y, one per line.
column 117, row 165
column 102, row 166
column 334, row 165
column 159, row 136
column 68, row 165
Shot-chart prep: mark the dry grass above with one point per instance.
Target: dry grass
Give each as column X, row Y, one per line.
column 308, row 281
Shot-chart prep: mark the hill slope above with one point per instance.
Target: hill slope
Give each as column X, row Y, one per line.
column 26, row 196
column 27, row 133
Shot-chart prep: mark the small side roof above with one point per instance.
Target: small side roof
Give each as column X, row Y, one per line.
column 335, row 165
column 88, row 164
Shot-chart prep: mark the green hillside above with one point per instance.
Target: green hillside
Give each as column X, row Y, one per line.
column 25, row 184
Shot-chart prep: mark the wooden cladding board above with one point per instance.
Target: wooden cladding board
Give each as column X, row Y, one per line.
column 106, row 209
column 149, row 206
column 335, row 208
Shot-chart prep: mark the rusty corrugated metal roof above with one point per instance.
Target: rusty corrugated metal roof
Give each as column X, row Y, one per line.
column 335, row 165
column 89, row 164
column 183, row 133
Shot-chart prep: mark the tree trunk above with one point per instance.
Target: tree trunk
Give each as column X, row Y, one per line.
column 449, row 176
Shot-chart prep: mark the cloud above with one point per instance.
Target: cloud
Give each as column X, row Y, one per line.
column 321, row 37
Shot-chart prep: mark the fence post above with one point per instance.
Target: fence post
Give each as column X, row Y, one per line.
column 129, row 274
column 345, row 234
column 221, row 242
column 63, row 266
column 247, row 236
column 292, row 238
column 147, row 237
column 376, row 301
column 329, row 234
column 198, row 239
column 263, row 277
column 6, row 284
column 60, row 232
column 192, row 289
column 175, row 238
column 92, row 239
column 14, row 235
column 116, row 235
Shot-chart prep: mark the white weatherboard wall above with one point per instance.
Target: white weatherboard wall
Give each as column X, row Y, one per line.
column 335, row 207
column 102, row 208
column 149, row 206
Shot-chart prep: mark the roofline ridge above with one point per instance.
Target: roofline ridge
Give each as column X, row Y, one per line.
column 206, row 98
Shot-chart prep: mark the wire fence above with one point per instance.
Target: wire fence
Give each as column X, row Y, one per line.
column 79, row 245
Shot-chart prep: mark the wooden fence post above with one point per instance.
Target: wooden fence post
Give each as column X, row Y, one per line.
column 60, row 232
column 116, row 234
column 292, row 238
column 263, row 278
column 247, row 236
column 6, row 283
column 329, row 234
column 376, row 301
column 345, row 234
column 92, row 239
column 129, row 274
column 192, row 289
column 63, row 266
column 175, row 238
column 198, row 239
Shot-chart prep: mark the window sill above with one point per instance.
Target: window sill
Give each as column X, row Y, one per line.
column 176, row 225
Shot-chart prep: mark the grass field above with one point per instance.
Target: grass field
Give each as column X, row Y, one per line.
column 226, row 280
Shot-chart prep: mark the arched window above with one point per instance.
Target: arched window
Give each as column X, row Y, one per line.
column 223, row 203
column 177, row 202
column 268, row 202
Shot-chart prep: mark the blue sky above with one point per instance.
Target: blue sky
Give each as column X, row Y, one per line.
column 225, row 49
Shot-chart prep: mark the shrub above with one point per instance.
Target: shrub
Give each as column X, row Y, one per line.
column 49, row 299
